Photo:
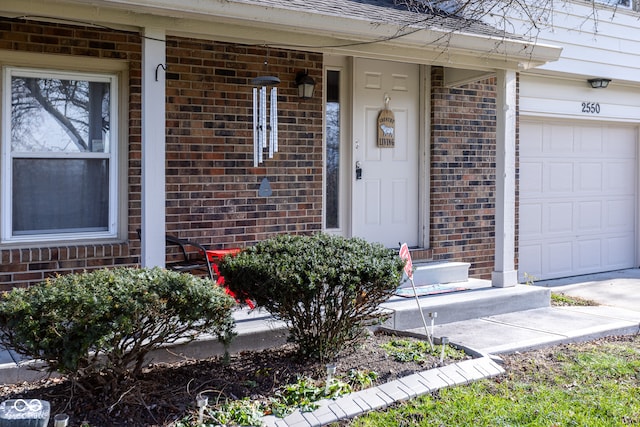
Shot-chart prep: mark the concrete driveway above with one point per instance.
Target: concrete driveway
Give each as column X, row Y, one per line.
column 617, row 292
column 615, row 289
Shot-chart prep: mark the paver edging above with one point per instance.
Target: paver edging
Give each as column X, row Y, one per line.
column 344, row 406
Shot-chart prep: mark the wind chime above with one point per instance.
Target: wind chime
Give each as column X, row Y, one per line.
column 265, row 136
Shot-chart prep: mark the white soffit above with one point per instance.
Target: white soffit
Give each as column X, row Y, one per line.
column 455, row 77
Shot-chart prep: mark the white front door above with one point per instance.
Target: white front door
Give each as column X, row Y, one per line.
column 385, row 206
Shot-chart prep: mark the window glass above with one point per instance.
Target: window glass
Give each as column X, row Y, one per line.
column 332, row 187
column 49, row 114
column 618, row 3
column 59, row 175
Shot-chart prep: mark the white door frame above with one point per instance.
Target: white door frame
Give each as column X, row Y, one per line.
column 424, row 165
column 347, row 165
column 343, row 65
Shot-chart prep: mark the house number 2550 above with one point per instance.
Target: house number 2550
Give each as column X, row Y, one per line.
column 591, row 107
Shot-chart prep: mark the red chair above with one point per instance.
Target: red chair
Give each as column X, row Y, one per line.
column 214, row 256
column 185, row 256
column 190, row 257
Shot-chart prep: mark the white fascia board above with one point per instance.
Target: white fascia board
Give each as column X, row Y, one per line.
column 259, row 24
column 450, row 50
column 516, row 54
column 76, row 14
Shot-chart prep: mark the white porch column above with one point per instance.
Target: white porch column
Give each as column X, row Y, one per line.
column 504, row 273
column 153, row 147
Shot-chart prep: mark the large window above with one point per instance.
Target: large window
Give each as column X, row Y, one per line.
column 58, row 155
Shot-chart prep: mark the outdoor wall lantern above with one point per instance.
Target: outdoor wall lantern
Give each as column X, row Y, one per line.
column 599, row 83
column 305, row 84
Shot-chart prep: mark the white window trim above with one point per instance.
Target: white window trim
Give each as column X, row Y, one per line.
column 613, row 4
column 6, row 224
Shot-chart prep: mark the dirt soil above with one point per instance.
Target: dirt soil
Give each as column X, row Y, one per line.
column 167, row 392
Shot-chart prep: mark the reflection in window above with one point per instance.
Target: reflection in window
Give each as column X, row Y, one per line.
column 59, row 178
column 620, row 3
column 332, row 193
column 58, row 115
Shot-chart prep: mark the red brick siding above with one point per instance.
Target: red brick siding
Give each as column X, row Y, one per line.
column 34, row 263
column 212, row 186
column 463, row 173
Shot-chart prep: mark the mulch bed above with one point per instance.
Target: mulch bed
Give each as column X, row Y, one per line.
column 165, row 393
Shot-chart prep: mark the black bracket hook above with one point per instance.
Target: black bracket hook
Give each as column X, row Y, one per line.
column 158, row 67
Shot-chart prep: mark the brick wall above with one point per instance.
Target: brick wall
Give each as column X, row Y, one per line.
column 463, row 173
column 212, row 186
column 30, row 264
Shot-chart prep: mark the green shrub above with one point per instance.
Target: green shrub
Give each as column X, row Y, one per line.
column 324, row 287
column 101, row 324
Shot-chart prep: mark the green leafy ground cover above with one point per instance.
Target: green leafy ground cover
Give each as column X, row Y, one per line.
column 305, row 393
column 590, row 384
column 559, row 299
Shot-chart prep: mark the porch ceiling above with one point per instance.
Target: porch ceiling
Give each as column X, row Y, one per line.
column 368, row 28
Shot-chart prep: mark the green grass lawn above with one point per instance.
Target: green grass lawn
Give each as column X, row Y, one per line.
column 592, row 384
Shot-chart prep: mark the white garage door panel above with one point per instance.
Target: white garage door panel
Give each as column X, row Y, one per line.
column 577, row 198
column 589, row 216
column 534, row 171
column 558, row 178
column 617, row 176
column 559, row 218
column 617, row 256
column 589, row 177
column 589, row 254
column 531, row 220
column 558, row 258
column 561, row 140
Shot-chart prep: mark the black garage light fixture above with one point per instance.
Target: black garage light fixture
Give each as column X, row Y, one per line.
column 599, row 83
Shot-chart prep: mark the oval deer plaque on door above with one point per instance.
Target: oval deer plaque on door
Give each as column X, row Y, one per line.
column 386, row 129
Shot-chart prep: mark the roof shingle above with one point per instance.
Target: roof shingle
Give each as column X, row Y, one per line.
column 382, row 12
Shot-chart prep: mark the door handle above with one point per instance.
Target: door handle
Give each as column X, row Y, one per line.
column 358, row 170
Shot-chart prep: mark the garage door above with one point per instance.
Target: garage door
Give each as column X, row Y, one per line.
column 577, row 198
